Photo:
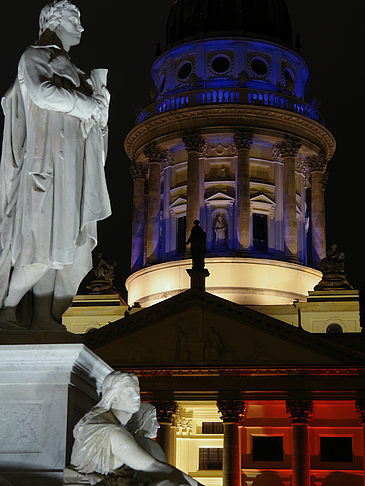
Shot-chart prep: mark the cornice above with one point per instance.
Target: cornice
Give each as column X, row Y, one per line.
column 206, row 118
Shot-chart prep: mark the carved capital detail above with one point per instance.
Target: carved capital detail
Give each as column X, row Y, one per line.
column 231, row 411
column 243, row 139
column 138, row 170
column 316, row 163
column 165, row 410
column 288, row 147
column 360, row 409
column 194, row 142
column 300, row 411
column 154, row 154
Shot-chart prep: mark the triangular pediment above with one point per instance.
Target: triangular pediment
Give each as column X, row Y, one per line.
column 219, row 196
column 262, row 199
column 179, row 202
column 198, row 329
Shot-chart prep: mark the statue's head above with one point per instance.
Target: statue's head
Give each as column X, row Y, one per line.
column 63, row 18
column 120, row 391
column 144, row 420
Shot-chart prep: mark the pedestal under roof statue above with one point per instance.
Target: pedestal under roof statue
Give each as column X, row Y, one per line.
column 52, row 181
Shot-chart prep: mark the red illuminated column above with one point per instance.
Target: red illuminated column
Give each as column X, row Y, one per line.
column 360, row 408
column 194, row 146
column 300, row 412
column 317, row 166
column 139, row 173
column 231, row 412
column 287, row 149
column 166, row 410
column 243, row 141
column 155, row 157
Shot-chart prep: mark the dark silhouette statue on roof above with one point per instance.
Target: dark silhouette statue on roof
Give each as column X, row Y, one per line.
column 197, row 241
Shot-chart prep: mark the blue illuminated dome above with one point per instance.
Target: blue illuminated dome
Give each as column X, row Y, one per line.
column 197, row 19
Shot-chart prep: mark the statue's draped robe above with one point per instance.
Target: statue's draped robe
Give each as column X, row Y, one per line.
column 52, row 181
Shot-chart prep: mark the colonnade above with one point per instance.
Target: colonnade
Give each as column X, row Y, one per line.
column 286, row 150
column 233, row 416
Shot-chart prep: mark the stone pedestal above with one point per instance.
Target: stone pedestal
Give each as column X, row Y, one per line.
column 198, row 278
column 44, row 390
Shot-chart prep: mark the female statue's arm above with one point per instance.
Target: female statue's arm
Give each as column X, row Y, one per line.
column 126, row 449
column 36, row 74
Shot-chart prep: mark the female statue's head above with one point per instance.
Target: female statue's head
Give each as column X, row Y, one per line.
column 63, row 18
column 144, row 420
column 120, row 391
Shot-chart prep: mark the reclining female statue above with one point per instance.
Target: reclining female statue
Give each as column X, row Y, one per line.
column 103, row 446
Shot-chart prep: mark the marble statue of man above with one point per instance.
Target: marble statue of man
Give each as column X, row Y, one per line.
column 52, row 182
column 105, row 449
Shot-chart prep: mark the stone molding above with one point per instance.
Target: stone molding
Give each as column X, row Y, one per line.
column 288, row 147
column 260, row 118
column 138, row 170
column 243, row 139
column 360, row 409
column 231, row 411
column 194, row 142
column 165, row 410
column 300, row 411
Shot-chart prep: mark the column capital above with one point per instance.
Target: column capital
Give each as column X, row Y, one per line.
column 316, row 163
column 194, row 142
column 165, row 410
column 360, row 409
column 300, row 411
column 242, row 139
column 288, row 147
column 138, row 170
column 231, row 411
column 154, row 154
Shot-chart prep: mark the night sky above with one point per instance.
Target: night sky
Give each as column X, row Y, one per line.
column 124, row 41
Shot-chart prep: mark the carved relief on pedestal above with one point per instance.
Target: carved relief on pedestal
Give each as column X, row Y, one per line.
column 231, row 411
column 300, row 411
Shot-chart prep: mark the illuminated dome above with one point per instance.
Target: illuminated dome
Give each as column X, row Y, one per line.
column 196, row 19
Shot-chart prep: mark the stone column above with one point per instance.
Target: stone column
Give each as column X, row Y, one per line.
column 139, row 173
column 194, row 146
column 231, row 412
column 154, row 156
column 317, row 166
column 360, row 408
column 243, row 141
column 287, row 149
column 300, row 412
column 166, row 410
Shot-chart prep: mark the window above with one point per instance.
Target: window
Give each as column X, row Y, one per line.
column 221, row 64
column 336, row 449
column 184, row 71
column 267, row 449
column 259, row 67
column 211, row 458
column 181, row 235
column 259, row 227
column 212, row 428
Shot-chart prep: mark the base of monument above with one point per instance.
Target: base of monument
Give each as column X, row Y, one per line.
column 45, row 390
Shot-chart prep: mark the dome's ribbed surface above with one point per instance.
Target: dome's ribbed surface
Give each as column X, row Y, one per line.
column 197, row 19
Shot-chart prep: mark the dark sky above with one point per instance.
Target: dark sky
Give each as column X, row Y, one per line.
column 124, row 41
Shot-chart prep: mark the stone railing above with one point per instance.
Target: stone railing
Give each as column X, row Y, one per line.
column 242, row 96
